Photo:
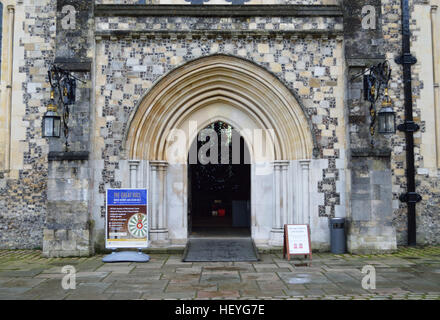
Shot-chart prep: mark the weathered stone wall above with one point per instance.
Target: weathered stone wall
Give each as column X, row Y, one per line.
column 305, row 53
column 360, row 54
column 23, row 186
column 370, row 228
column 128, row 66
column 132, row 54
column 67, row 225
column 67, row 228
column 427, row 139
column 428, row 218
column 370, row 219
column 361, row 43
column 391, row 24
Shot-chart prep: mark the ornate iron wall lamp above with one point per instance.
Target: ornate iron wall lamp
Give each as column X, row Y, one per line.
column 387, row 116
column 63, row 83
column 51, row 120
column 376, row 80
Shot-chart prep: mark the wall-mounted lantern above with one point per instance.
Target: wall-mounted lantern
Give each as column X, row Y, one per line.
column 386, row 116
column 63, row 83
column 51, row 120
column 376, row 79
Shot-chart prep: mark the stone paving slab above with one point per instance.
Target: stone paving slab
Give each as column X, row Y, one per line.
column 412, row 274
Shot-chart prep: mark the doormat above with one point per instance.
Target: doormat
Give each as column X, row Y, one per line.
column 220, row 250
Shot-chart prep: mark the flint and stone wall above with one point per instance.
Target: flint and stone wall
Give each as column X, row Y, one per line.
column 23, row 184
column 134, row 53
column 48, row 194
column 425, row 140
column 370, row 225
column 68, row 226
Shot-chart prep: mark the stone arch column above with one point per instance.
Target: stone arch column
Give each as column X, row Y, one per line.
column 304, row 195
column 134, row 171
column 280, row 215
column 159, row 218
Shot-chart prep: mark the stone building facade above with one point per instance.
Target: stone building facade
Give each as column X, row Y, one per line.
column 150, row 67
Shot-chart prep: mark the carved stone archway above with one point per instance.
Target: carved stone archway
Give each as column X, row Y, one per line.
column 220, row 88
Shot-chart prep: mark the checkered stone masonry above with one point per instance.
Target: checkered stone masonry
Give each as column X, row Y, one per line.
column 128, row 66
column 181, row 24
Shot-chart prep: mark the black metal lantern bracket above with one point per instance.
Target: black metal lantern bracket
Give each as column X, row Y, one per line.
column 64, row 83
column 376, row 79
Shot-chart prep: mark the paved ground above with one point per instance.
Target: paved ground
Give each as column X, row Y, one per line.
column 408, row 274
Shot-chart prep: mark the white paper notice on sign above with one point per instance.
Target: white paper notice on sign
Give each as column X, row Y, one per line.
column 298, row 239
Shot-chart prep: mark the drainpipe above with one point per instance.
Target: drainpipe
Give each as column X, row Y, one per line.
column 409, row 126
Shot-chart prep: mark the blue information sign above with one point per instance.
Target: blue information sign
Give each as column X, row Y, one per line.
column 127, row 218
column 127, row 197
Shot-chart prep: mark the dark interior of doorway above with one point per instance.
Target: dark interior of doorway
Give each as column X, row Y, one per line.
column 219, row 194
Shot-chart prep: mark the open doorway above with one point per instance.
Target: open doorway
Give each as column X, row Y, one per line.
column 219, row 183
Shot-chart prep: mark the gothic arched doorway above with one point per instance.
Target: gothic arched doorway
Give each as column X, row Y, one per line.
column 219, row 183
column 245, row 96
